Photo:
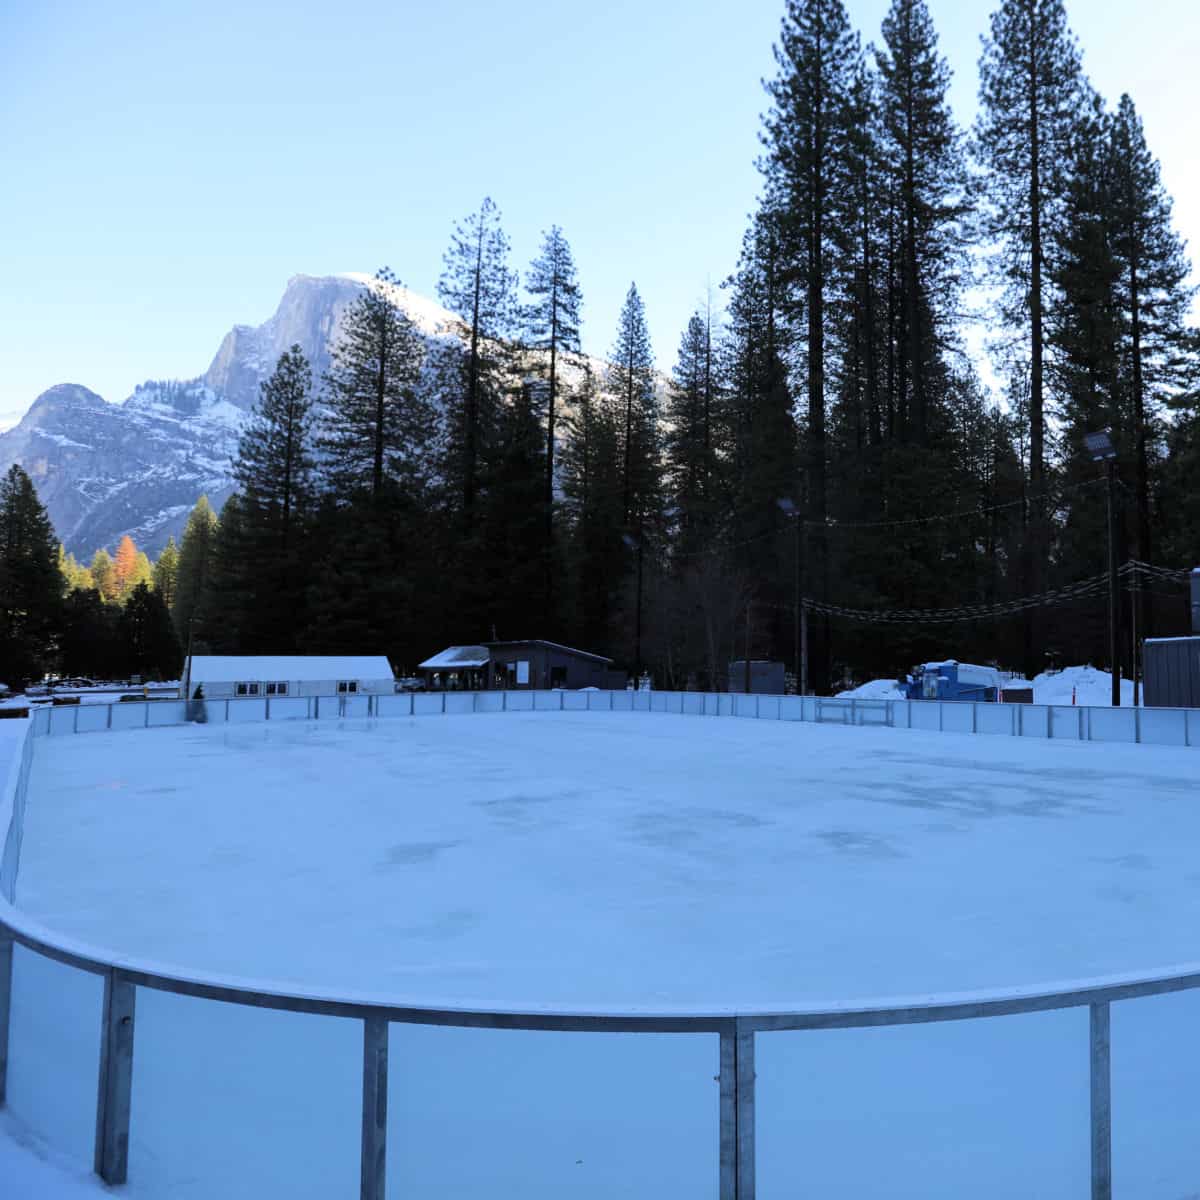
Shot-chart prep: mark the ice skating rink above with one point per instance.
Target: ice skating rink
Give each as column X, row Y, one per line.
column 599, row 861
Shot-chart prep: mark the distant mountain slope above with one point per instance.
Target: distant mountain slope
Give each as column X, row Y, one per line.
column 138, row 467
column 104, row 470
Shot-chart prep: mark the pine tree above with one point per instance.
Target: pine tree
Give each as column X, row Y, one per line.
column 231, row 614
column 925, row 158
column 274, row 464
column 30, row 582
column 630, row 384
column 146, row 636
column 1030, row 92
column 693, row 437
column 552, row 322
column 88, row 641
column 143, row 572
column 166, row 570
column 1153, row 295
column 512, row 526
column 274, row 468
column 74, row 574
column 592, row 491
column 806, row 167
column 104, row 576
column 124, row 566
column 1085, row 333
column 195, row 561
column 477, row 285
column 379, row 427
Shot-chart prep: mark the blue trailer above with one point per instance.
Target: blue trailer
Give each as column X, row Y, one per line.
column 952, row 680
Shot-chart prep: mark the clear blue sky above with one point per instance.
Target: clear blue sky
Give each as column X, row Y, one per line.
column 167, row 166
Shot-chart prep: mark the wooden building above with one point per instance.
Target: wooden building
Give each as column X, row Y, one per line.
column 536, row 664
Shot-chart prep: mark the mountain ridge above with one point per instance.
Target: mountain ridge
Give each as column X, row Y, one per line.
column 137, row 466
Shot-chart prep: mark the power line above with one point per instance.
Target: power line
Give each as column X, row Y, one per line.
column 1082, row 589
column 978, row 511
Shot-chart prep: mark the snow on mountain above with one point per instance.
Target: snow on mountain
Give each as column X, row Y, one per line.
column 138, row 467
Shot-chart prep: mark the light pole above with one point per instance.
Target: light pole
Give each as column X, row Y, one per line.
column 800, row 614
column 636, row 544
column 1101, row 448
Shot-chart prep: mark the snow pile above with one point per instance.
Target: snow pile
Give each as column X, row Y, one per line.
column 876, row 689
column 1089, row 686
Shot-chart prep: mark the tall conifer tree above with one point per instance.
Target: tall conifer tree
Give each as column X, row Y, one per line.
column 195, row 565
column 380, row 426
column 1153, row 294
column 30, row 582
column 478, row 286
column 552, row 322
column 630, row 384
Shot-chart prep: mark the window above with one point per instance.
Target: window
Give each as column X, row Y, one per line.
column 277, row 689
column 349, row 686
column 247, row 689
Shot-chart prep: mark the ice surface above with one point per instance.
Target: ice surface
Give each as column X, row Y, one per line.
column 607, row 858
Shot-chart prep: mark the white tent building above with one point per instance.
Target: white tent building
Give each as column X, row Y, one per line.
column 232, row 676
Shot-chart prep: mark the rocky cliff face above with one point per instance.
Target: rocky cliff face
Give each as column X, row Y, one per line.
column 104, row 470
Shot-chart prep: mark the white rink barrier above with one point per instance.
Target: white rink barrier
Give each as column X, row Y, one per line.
column 1143, row 726
column 736, row 1032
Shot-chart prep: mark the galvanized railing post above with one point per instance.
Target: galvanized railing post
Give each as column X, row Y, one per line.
column 6, row 968
column 116, row 1079
column 1101, row 1103
column 737, row 1113
column 374, row 1109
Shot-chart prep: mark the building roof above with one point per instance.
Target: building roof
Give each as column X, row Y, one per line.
column 552, row 646
column 457, row 658
column 287, row 668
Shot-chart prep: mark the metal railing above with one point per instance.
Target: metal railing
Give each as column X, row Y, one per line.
column 1144, row 726
column 737, row 1031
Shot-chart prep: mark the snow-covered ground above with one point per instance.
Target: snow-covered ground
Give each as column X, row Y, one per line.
column 1073, row 685
column 30, row 1170
column 615, row 860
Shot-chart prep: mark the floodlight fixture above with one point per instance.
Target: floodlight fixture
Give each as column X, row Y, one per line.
column 1100, row 446
column 787, row 506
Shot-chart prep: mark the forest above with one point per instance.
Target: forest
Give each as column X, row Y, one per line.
column 824, row 440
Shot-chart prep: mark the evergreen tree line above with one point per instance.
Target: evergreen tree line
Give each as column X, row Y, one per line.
column 823, row 430
column 110, row 620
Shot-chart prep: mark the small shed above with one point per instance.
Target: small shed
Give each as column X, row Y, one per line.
column 237, row 676
column 766, row 678
column 1172, row 672
column 457, row 668
column 514, row 666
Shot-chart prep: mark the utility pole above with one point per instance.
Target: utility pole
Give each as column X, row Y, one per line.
column 1134, row 589
column 1114, row 595
column 635, row 544
column 747, row 647
column 800, row 614
column 1100, row 447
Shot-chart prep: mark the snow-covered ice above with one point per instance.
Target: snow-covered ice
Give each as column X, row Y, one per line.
column 600, row 860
